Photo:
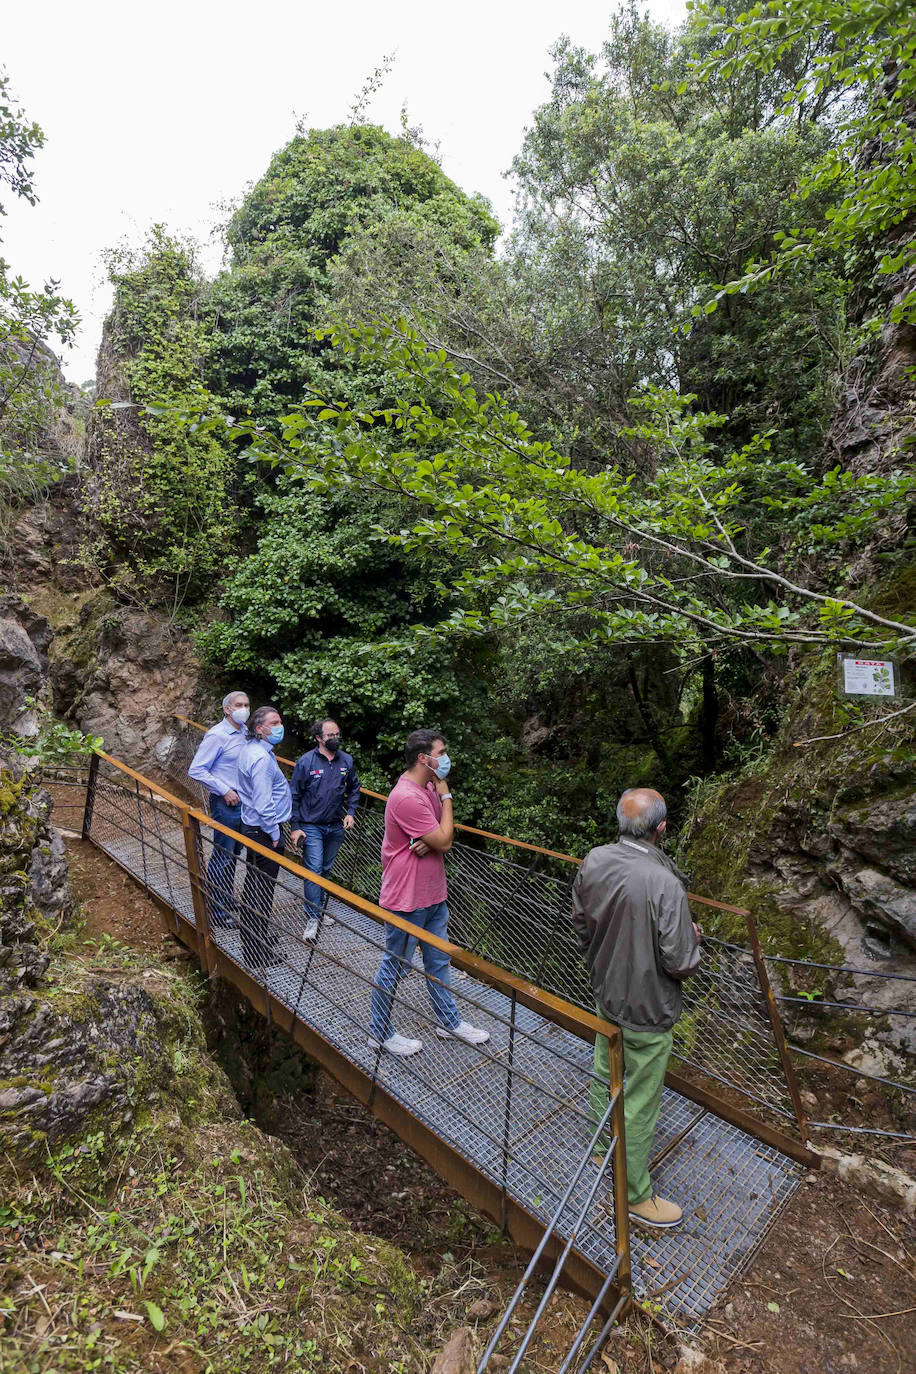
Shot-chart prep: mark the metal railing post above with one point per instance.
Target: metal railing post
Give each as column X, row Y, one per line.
column 779, row 1034
column 142, row 832
column 619, row 1164
column 92, row 783
column 192, row 844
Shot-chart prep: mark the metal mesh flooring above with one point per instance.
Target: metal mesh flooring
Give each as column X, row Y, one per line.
column 730, row 1185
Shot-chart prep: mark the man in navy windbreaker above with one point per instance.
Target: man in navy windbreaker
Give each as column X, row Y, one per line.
column 325, row 792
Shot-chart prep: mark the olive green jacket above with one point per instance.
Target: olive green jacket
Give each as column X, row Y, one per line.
column 636, row 933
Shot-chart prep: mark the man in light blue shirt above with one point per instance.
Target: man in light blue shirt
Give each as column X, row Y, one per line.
column 215, row 768
column 266, row 805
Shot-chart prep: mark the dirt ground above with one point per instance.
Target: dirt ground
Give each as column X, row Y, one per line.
column 832, row 1288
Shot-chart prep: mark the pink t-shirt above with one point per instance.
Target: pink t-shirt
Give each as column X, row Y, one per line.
column 409, row 882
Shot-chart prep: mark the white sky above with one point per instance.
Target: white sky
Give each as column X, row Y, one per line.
column 163, row 112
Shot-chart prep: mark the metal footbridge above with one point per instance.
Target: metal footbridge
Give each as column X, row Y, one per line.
column 506, row 1123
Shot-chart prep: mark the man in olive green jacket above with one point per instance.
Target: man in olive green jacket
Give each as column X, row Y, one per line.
column 635, row 931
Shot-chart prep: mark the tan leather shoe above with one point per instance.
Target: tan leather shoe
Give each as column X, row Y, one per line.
column 656, row 1213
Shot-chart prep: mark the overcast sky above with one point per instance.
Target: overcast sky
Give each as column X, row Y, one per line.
column 167, row 112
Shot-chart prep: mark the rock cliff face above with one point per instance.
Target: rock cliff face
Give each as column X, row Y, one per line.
column 120, row 673
column 114, row 670
column 25, row 638
column 862, row 853
column 67, row 1050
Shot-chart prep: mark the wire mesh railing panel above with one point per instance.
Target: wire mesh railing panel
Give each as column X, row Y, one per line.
column 66, row 782
column 724, row 1031
column 517, row 915
column 515, row 1107
column 520, row 919
column 852, row 1035
column 185, row 741
column 142, row 833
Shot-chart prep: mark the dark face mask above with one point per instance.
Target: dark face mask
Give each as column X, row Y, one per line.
column 332, row 743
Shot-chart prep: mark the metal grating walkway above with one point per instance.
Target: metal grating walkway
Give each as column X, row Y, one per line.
column 730, row 1184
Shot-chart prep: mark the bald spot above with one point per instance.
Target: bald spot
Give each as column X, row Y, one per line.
column 637, row 802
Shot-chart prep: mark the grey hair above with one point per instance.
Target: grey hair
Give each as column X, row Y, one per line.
column 230, row 698
column 646, row 822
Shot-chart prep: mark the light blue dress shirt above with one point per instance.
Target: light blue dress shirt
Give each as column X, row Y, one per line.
column 217, row 759
column 262, row 788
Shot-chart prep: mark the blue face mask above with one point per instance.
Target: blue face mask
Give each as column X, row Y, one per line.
column 276, row 734
column 443, row 766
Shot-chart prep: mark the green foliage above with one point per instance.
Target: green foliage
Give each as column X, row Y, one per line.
column 30, row 395
column 641, row 194
column 325, row 187
column 679, row 558
column 19, row 142
column 56, row 742
column 320, row 609
column 612, row 563
column 321, row 613
column 163, row 498
column 866, row 50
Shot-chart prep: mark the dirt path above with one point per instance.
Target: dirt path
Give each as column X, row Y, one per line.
column 822, row 1296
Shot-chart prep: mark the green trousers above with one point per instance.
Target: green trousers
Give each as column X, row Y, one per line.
column 645, row 1059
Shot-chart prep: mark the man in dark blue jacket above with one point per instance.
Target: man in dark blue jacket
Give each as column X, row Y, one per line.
column 325, row 792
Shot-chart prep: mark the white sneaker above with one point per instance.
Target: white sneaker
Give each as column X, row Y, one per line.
column 471, row 1035
column 397, row 1044
column 311, row 930
column 329, row 920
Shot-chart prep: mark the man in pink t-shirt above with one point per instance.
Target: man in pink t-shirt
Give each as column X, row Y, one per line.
column 419, row 829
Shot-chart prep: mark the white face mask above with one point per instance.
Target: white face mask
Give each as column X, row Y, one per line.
column 239, row 714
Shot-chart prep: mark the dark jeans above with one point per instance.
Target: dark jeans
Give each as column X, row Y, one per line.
column 221, row 868
column 319, row 850
column 257, row 900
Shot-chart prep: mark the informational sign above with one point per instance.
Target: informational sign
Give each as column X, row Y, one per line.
column 867, row 677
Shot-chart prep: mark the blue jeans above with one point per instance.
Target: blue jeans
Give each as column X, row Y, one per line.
column 319, row 850
column 399, row 948
column 221, row 868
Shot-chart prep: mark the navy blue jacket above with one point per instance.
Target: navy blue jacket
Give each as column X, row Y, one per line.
column 323, row 790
